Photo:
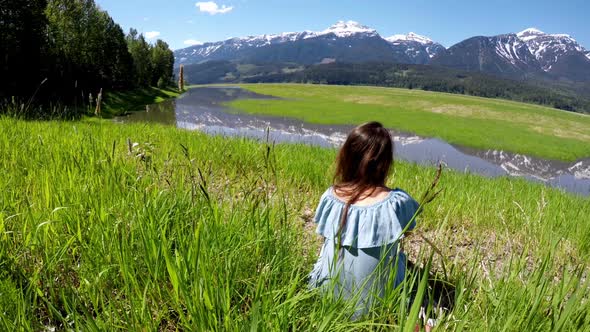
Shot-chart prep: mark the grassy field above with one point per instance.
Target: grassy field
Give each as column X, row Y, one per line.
column 106, row 226
column 469, row 121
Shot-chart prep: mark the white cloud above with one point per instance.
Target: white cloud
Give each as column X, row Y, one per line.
column 192, row 42
column 213, row 8
column 152, row 34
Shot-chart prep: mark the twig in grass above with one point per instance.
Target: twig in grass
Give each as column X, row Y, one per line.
column 428, row 195
column 34, row 94
column 129, row 146
column 97, row 111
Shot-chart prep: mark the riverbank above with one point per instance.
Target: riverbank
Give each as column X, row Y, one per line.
column 464, row 120
column 128, row 226
column 204, row 109
column 120, row 102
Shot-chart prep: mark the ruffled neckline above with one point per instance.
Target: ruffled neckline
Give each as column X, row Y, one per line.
column 366, row 226
column 332, row 195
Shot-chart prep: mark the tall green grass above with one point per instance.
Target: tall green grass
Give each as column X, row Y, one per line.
column 145, row 227
column 29, row 109
column 114, row 103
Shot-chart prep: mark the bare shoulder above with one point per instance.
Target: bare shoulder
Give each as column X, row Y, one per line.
column 370, row 197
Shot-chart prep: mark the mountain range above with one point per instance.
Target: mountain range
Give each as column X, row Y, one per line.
column 527, row 54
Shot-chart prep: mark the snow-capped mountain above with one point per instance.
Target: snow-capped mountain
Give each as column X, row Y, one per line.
column 410, row 37
column 504, row 55
column 559, row 54
column 349, row 29
column 530, row 52
column 549, row 48
column 344, row 41
column 419, row 49
column 229, row 48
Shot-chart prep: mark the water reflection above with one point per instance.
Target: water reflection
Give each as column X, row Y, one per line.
column 203, row 109
column 160, row 113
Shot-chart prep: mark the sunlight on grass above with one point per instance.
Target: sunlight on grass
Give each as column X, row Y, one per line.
column 464, row 120
column 106, row 226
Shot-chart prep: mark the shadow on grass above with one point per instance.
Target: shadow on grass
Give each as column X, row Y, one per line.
column 441, row 292
column 119, row 103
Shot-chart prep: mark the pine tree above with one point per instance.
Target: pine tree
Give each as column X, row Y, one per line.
column 141, row 53
column 162, row 63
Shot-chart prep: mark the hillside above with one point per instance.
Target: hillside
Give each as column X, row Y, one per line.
column 504, row 55
column 564, row 96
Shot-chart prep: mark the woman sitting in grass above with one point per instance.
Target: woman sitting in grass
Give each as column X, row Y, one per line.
column 362, row 221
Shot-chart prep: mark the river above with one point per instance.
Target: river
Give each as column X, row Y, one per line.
column 203, row 109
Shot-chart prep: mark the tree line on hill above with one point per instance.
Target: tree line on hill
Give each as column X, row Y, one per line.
column 431, row 78
column 67, row 50
column 407, row 76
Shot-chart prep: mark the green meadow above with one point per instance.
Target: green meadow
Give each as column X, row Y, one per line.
column 107, row 226
column 464, row 120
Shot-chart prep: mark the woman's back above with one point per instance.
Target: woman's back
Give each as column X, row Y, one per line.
column 362, row 220
column 360, row 258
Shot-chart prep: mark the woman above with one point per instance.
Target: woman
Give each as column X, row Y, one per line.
column 362, row 221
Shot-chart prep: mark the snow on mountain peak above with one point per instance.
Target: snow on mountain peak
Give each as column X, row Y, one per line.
column 548, row 48
column 410, row 37
column 349, row 28
column 419, row 49
column 419, row 38
column 396, row 38
column 531, row 31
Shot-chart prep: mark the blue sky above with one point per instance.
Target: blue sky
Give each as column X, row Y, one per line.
column 181, row 22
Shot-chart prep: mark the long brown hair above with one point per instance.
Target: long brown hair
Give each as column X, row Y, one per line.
column 363, row 164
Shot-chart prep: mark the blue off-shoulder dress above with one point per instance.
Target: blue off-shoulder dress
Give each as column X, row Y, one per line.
column 366, row 262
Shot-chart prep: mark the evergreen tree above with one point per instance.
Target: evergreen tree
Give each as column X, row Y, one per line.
column 162, row 63
column 118, row 65
column 89, row 47
column 141, row 53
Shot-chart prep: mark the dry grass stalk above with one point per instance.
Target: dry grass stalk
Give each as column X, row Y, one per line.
column 181, row 78
column 98, row 103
